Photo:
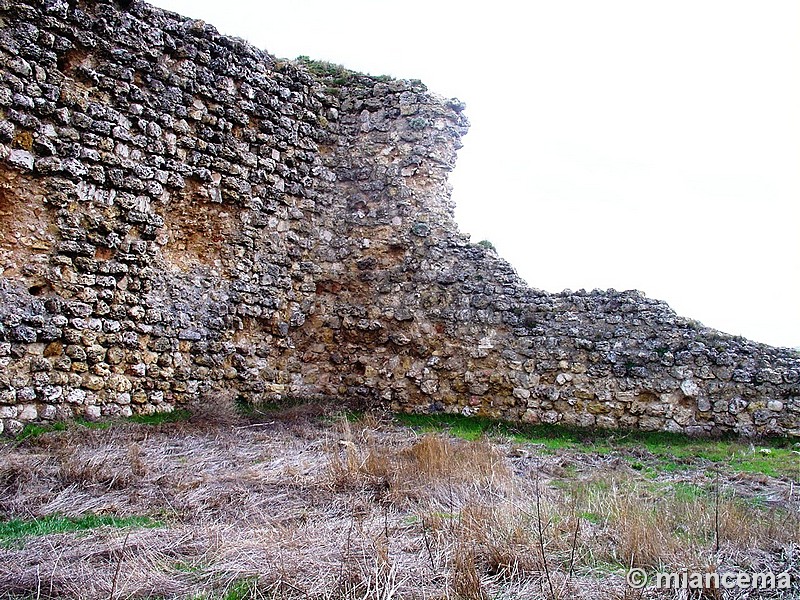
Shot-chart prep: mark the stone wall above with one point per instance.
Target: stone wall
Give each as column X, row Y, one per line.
column 184, row 217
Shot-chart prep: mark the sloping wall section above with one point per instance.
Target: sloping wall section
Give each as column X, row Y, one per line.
column 183, row 216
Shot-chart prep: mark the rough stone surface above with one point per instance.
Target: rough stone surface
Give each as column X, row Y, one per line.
column 183, row 216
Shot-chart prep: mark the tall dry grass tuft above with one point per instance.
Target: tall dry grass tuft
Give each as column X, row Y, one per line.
column 465, row 578
column 772, row 528
column 644, row 533
column 434, row 468
column 502, row 540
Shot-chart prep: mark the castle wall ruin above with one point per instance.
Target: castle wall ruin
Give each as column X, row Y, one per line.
column 184, row 216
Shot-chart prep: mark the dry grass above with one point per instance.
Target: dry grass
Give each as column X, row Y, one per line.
column 432, row 469
column 302, row 507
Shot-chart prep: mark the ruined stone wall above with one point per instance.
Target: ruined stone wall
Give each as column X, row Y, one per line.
column 183, row 217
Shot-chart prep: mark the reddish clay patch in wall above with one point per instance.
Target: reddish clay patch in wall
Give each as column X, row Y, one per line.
column 27, row 233
column 198, row 231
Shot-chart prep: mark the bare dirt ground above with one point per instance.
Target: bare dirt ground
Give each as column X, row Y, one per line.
column 315, row 506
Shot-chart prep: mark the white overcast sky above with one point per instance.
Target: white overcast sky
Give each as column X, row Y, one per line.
column 628, row 144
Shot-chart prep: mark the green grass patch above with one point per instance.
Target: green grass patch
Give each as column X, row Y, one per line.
column 334, row 74
column 551, row 437
column 591, row 517
column 17, row 530
column 243, row 589
column 774, row 458
column 654, row 452
column 688, row 492
column 33, row 430
column 93, row 424
column 771, row 465
column 468, row 428
column 160, row 418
